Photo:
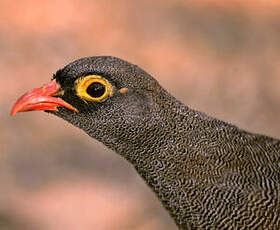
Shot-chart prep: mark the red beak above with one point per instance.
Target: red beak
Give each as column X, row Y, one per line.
column 41, row 99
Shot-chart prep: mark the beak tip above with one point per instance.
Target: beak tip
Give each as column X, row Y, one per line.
column 14, row 111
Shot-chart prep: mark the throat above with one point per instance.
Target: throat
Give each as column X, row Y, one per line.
column 172, row 156
column 161, row 152
column 170, row 149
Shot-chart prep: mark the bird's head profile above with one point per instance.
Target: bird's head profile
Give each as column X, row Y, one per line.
column 101, row 95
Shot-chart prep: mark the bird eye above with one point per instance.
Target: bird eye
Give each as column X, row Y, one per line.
column 96, row 89
column 93, row 88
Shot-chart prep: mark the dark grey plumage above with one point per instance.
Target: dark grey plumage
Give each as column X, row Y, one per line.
column 207, row 173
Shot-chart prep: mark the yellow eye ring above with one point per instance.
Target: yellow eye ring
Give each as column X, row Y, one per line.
column 93, row 88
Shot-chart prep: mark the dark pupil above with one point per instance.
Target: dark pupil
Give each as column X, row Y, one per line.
column 96, row 89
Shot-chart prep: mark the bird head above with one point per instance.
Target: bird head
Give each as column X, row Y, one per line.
column 101, row 95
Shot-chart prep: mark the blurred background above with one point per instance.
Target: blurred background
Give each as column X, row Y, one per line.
column 220, row 57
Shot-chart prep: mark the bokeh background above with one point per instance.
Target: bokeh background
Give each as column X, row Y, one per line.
column 220, row 57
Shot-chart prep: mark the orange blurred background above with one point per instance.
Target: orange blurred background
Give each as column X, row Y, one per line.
column 220, row 57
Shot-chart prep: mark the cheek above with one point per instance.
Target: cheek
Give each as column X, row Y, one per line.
column 108, row 116
column 126, row 111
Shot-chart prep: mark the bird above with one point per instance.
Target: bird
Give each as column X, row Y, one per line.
column 207, row 173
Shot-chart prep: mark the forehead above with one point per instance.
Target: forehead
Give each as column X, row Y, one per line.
column 115, row 70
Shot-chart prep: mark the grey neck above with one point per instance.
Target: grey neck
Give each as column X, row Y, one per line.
column 167, row 152
column 170, row 148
